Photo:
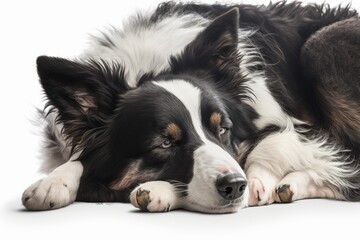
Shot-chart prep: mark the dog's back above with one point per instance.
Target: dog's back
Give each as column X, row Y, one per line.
column 331, row 66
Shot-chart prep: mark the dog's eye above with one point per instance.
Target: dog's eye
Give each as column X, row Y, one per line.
column 222, row 130
column 166, row 144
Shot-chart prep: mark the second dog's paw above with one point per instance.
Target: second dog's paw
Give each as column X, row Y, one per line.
column 156, row 196
column 259, row 195
column 48, row 193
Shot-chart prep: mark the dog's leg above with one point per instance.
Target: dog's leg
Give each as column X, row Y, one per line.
column 262, row 183
column 265, row 167
column 304, row 184
column 309, row 167
column 289, row 151
column 95, row 191
column 156, row 196
column 57, row 190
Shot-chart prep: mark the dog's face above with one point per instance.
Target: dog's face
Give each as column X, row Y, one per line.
column 183, row 125
column 175, row 130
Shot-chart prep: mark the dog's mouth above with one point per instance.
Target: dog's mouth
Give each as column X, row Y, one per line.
column 223, row 207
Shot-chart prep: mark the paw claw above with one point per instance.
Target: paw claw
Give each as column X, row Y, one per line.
column 284, row 193
column 258, row 196
column 143, row 199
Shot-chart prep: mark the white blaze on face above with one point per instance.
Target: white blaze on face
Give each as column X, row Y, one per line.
column 189, row 95
column 210, row 160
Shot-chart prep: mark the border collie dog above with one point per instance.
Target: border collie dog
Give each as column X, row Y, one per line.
column 209, row 108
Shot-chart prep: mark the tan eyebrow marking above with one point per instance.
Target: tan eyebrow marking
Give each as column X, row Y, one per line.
column 173, row 131
column 215, row 119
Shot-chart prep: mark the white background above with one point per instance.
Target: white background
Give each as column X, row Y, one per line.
column 32, row 28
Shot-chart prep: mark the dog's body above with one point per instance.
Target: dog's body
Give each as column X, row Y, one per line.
column 182, row 97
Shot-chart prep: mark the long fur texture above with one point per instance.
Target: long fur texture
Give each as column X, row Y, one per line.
column 288, row 112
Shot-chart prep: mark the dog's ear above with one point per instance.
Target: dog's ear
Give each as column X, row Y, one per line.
column 85, row 94
column 215, row 46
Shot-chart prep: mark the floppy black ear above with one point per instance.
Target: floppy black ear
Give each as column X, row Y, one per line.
column 85, row 94
column 215, row 46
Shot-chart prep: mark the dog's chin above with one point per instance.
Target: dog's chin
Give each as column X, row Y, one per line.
column 223, row 207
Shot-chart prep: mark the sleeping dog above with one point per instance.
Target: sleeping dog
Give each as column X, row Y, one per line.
column 208, row 108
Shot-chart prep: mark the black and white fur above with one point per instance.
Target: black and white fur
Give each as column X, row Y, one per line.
column 156, row 112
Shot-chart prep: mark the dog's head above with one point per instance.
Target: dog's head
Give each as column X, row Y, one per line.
column 183, row 125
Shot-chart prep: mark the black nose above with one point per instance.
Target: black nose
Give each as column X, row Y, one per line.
column 231, row 186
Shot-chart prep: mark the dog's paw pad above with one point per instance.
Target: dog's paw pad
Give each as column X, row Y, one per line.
column 284, row 193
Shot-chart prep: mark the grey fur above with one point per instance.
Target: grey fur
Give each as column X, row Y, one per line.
column 331, row 59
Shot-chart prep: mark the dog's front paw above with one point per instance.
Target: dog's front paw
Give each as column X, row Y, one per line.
column 259, row 194
column 156, row 196
column 48, row 193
